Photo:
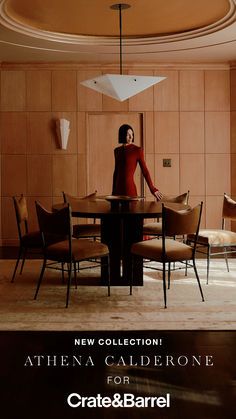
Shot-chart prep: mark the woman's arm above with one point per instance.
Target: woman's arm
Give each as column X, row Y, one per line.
column 147, row 176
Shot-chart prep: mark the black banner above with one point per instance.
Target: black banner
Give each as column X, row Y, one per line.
column 154, row 374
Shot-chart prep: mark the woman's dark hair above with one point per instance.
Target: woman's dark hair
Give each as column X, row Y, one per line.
column 122, row 133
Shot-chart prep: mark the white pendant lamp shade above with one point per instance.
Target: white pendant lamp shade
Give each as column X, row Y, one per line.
column 121, row 87
column 63, row 131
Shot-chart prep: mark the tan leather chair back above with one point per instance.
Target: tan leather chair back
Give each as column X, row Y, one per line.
column 180, row 199
column 21, row 215
column 55, row 226
column 70, row 198
column 21, row 208
column 229, row 208
column 181, row 222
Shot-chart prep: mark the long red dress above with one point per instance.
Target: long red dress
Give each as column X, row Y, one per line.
column 126, row 160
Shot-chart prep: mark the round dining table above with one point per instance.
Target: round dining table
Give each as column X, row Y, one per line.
column 121, row 226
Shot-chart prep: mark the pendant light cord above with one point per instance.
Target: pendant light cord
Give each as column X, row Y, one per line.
column 120, row 7
column 120, row 20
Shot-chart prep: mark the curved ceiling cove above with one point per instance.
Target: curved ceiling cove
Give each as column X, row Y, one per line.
column 87, row 31
column 96, row 18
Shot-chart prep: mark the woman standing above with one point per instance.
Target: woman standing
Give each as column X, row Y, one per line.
column 127, row 156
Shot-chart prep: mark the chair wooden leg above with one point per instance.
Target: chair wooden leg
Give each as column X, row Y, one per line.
column 198, row 280
column 208, row 262
column 226, row 258
column 186, row 268
column 109, row 277
column 40, row 278
column 62, row 272
column 164, row 283
column 168, row 275
column 131, row 276
column 68, row 285
column 75, row 275
column 17, row 263
column 23, row 260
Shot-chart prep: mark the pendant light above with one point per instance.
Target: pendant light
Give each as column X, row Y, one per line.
column 120, row 86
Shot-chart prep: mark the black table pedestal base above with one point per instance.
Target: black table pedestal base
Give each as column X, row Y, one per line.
column 119, row 235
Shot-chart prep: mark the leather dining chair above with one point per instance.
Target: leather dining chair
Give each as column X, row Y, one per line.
column 155, row 228
column 89, row 230
column 59, row 246
column 214, row 242
column 166, row 249
column 28, row 241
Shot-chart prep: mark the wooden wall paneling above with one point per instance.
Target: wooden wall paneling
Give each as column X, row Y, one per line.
column 192, row 174
column 217, row 132
column 166, row 93
column 191, row 90
column 64, row 90
column 40, row 133
column 72, row 145
column 0, row 195
column 110, row 104
column 217, row 90
column 14, row 175
column 0, row 168
column 13, row 90
column 148, row 132
column 142, row 101
column 195, row 200
column 233, row 174
column 217, row 174
column 102, row 139
column 32, row 97
column 233, row 223
column 38, row 90
column 192, row 132
column 39, row 171
column 83, row 188
column 150, row 162
column 65, row 174
column 82, row 132
column 233, row 132
column 9, row 225
column 88, row 99
column 233, row 89
column 166, row 132
column 167, row 178
column 214, row 211
column 14, row 132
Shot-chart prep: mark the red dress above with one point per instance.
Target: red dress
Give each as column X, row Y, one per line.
column 126, row 159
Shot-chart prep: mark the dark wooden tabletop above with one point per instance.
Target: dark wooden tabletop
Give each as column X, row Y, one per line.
column 100, row 208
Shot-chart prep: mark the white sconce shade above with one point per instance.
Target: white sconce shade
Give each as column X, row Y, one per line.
column 121, row 87
column 63, row 131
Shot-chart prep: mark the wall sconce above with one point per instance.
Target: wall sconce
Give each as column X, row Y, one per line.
column 63, row 131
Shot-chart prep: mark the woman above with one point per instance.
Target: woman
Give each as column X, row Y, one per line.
column 126, row 158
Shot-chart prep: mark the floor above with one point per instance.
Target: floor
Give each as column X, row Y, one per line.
column 91, row 309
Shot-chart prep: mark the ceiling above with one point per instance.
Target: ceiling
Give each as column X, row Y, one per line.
column 87, row 31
